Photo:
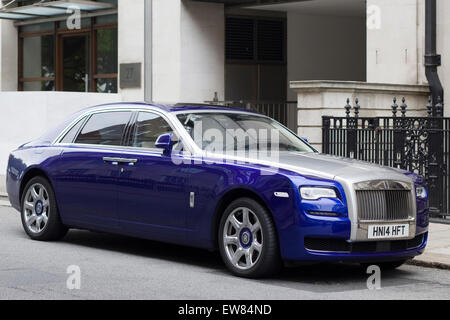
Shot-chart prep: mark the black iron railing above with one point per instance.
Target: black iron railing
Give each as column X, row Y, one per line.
column 416, row 144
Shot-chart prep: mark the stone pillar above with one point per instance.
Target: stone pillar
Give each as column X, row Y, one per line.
column 188, row 51
column 131, row 37
column 443, row 48
column 396, row 41
column 8, row 56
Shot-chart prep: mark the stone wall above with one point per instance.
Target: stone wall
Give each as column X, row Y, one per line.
column 328, row 98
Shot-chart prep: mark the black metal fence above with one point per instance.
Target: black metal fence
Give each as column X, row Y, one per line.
column 416, row 144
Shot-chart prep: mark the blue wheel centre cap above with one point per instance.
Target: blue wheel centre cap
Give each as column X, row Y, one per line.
column 246, row 238
column 39, row 208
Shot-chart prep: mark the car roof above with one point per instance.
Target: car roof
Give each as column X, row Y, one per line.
column 179, row 107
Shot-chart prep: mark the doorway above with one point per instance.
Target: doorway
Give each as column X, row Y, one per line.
column 256, row 67
column 75, row 63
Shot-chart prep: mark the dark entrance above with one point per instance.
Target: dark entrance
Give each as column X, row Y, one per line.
column 255, row 67
column 75, row 63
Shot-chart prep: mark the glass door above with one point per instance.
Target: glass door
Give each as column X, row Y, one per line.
column 75, row 63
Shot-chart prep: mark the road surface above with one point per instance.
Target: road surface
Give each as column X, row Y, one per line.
column 117, row 267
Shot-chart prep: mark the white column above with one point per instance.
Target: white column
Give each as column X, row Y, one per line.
column 166, row 50
column 443, row 48
column 188, row 51
column 131, row 21
column 395, row 41
column 8, row 56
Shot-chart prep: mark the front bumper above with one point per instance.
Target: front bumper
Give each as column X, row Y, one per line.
column 336, row 231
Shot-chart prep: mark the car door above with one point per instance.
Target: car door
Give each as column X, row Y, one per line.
column 153, row 193
column 87, row 173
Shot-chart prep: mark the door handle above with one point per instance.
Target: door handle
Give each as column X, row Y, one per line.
column 116, row 161
column 130, row 162
column 113, row 161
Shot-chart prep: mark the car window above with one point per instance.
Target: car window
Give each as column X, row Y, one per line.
column 104, row 128
column 240, row 131
column 149, row 126
column 71, row 134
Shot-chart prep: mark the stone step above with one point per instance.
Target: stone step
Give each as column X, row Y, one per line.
column 4, row 202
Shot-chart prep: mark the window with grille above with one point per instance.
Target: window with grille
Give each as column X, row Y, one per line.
column 255, row 39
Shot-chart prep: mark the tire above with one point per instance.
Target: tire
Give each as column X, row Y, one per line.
column 40, row 215
column 385, row 265
column 252, row 242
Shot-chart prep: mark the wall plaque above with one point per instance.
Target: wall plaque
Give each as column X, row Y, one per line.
column 130, row 75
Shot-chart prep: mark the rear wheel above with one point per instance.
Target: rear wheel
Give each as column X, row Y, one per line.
column 40, row 216
column 248, row 241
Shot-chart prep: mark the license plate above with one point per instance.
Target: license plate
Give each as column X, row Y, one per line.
column 388, row 231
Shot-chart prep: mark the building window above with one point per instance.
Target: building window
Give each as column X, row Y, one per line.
column 38, row 63
column 255, row 50
column 55, row 58
column 106, row 60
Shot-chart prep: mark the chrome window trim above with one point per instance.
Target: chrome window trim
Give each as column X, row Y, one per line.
column 192, row 151
column 218, row 111
column 72, row 125
column 89, row 113
column 89, row 116
column 171, row 120
column 159, row 114
column 111, row 148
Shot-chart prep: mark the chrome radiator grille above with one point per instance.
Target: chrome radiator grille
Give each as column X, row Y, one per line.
column 384, row 205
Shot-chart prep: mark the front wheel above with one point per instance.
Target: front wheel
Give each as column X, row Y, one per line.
column 40, row 216
column 248, row 241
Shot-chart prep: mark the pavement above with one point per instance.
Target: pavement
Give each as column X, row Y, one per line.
column 4, row 202
column 437, row 253
column 2, row 186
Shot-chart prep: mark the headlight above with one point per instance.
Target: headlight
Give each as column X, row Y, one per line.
column 312, row 193
column 421, row 192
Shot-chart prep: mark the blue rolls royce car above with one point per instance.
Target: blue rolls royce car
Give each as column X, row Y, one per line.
column 215, row 178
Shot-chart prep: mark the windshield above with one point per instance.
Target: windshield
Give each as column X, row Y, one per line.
column 240, row 132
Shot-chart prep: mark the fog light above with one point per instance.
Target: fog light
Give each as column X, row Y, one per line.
column 323, row 214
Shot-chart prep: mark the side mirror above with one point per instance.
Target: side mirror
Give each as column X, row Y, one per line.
column 166, row 142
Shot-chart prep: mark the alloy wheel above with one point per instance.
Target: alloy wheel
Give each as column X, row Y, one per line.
column 243, row 238
column 36, row 208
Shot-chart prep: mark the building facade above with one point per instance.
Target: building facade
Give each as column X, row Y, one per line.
column 57, row 57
